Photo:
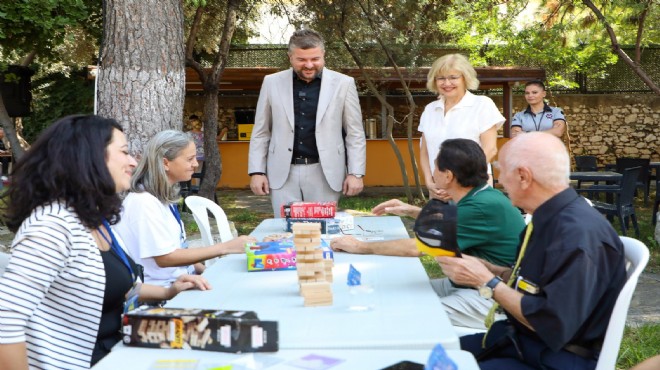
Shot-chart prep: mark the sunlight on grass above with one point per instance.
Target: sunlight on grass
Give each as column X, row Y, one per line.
column 638, row 344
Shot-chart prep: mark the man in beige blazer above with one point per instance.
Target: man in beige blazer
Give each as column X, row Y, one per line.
column 308, row 142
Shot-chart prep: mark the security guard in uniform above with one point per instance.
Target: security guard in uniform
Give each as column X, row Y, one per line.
column 538, row 116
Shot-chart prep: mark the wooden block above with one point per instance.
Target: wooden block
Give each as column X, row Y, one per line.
column 305, row 272
column 306, row 227
column 314, row 254
column 316, row 287
column 312, row 265
column 305, row 240
column 306, row 247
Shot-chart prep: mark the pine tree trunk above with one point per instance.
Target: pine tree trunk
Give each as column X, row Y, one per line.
column 142, row 71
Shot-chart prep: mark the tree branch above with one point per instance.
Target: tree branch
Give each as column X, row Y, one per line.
column 225, row 42
column 190, row 45
column 616, row 48
column 29, row 58
column 640, row 32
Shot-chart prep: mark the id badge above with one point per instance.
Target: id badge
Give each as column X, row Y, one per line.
column 527, row 286
column 131, row 301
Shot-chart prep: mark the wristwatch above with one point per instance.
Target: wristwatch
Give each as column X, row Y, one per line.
column 486, row 290
column 356, row 175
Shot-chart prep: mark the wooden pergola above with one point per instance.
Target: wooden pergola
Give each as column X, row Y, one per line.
column 249, row 80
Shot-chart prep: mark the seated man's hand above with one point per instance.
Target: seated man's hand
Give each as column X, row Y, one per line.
column 348, row 244
column 185, row 282
column 467, row 270
column 396, row 207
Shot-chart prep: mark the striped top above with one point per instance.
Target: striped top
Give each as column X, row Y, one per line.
column 51, row 294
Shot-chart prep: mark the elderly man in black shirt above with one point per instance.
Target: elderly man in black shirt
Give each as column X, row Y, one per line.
column 567, row 277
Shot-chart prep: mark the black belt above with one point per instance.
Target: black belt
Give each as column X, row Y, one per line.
column 305, row 160
column 588, row 353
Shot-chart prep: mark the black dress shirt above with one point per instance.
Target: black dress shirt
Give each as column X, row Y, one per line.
column 576, row 259
column 305, row 101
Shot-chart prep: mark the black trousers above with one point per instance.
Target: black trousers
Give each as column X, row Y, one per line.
column 526, row 354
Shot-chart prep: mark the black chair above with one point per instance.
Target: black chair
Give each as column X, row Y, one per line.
column 623, row 207
column 643, row 181
column 585, row 163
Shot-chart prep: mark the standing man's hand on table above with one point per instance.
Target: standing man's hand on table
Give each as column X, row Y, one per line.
column 352, row 185
column 259, row 184
column 396, row 207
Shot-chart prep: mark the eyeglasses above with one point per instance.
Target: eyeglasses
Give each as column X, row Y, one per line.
column 362, row 232
column 444, row 79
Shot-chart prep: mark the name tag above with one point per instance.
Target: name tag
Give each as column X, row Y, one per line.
column 527, row 286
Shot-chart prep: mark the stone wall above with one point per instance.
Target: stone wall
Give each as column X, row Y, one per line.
column 607, row 126
column 610, row 126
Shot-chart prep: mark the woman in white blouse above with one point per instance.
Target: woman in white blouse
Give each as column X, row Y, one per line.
column 456, row 114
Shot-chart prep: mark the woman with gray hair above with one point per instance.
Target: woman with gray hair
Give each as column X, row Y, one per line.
column 457, row 114
column 151, row 225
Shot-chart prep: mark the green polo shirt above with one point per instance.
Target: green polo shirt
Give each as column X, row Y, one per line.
column 489, row 226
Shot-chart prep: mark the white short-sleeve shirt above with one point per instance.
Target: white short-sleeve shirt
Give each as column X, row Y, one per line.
column 149, row 229
column 471, row 117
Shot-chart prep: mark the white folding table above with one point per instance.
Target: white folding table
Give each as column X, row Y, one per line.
column 407, row 313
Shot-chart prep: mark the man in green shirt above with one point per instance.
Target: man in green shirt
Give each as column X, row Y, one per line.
column 488, row 226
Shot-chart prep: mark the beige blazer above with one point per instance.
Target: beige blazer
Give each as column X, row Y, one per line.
column 271, row 143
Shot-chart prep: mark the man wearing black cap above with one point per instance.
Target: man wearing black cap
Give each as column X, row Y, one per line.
column 488, row 227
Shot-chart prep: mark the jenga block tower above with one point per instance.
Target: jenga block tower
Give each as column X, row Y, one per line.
column 314, row 275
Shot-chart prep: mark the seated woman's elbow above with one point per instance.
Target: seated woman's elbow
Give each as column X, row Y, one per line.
column 165, row 260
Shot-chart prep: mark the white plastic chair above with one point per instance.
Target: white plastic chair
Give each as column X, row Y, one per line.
column 199, row 207
column 637, row 256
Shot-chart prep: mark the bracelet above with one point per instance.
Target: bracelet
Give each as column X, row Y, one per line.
column 256, row 173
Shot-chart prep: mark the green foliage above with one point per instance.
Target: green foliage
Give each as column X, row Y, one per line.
column 38, row 24
column 56, row 95
column 403, row 25
column 563, row 37
column 208, row 39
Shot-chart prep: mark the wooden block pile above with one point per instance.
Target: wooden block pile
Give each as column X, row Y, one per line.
column 314, row 272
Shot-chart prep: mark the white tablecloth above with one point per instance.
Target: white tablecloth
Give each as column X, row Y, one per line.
column 131, row 358
column 407, row 313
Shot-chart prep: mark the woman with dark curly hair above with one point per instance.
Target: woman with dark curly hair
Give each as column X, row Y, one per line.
column 68, row 278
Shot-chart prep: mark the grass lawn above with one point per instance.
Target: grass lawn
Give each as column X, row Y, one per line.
column 638, row 343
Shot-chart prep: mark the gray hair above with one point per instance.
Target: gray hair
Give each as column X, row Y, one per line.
column 306, row 38
column 448, row 62
column 544, row 155
column 150, row 175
